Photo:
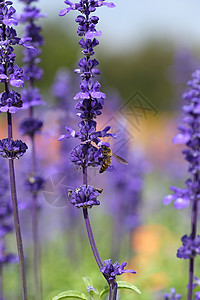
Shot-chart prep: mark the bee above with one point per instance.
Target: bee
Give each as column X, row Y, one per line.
column 107, row 154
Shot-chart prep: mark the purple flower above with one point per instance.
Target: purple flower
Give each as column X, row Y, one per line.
column 33, row 40
column 197, row 295
column 90, row 289
column 90, row 98
column 189, row 135
column 30, row 126
column 6, row 258
column 5, row 229
column 10, row 101
column 190, row 248
column 9, row 71
column 86, row 155
column 34, row 183
column 61, row 87
column 5, row 208
column 87, row 133
column 85, row 196
column 181, row 198
column 31, row 97
column 12, row 149
column 110, row 271
column 6, row 14
column 172, row 295
column 31, row 14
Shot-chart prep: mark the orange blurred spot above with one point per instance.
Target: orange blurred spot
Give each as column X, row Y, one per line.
column 149, row 238
column 157, row 281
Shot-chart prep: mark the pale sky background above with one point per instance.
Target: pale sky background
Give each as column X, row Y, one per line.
column 135, row 22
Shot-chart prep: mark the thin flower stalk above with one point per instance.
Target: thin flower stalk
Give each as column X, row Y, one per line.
column 6, row 226
column 31, row 126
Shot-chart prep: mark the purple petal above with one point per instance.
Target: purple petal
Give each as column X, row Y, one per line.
column 12, row 109
column 10, row 22
column 168, row 199
column 62, row 137
column 4, row 109
column 181, row 203
column 197, row 109
column 181, row 138
column 3, row 76
column 64, row 11
column 109, row 4
column 91, row 34
column 17, row 82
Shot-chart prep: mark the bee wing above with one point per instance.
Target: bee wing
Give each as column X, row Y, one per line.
column 120, row 159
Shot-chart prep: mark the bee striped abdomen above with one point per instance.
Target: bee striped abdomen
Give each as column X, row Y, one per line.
column 106, row 163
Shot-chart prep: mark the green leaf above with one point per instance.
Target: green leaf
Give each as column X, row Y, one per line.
column 121, row 285
column 88, row 281
column 129, row 286
column 71, row 294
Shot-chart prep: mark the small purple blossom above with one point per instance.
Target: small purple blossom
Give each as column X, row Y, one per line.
column 181, row 198
column 12, row 149
column 90, row 289
column 5, row 208
column 6, row 212
column 34, row 183
column 31, row 97
column 172, row 295
column 190, row 248
column 6, row 258
column 110, row 270
column 85, row 196
column 87, row 133
column 5, row 229
column 86, row 155
column 30, row 126
column 10, row 101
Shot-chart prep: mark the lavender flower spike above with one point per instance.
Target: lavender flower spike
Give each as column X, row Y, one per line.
column 31, row 125
column 189, row 135
column 173, row 295
column 10, row 102
column 90, row 101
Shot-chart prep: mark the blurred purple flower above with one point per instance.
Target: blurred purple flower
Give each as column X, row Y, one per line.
column 33, row 40
column 30, row 126
column 172, row 295
column 34, row 183
column 6, row 212
column 189, row 135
